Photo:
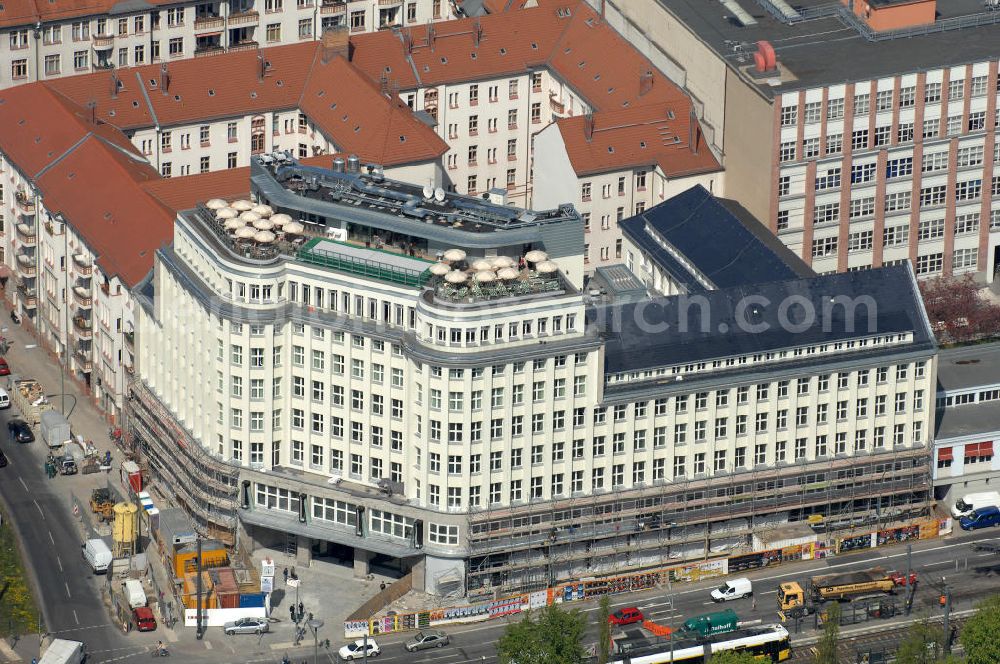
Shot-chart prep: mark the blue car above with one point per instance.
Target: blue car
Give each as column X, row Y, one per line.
column 981, row 518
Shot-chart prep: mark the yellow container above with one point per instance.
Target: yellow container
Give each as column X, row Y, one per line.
column 126, row 522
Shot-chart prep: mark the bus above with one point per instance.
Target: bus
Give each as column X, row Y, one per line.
column 766, row 642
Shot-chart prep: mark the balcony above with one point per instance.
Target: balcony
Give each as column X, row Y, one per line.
column 243, row 46
column 389, row 3
column 82, row 297
column 27, row 296
column 26, row 266
column 83, row 361
column 103, row 42
column 130, row 339
column 84, row 328
column 244, row 18
column 332, row 7
column 208, row 22
column 203, row 51
column 83, row 265
column 558, row 107
column 26, row 202
column 26, row 234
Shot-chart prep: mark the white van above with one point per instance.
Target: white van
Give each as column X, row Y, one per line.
column 134, row 593
column 4, row 399
column 733, row 589
column 970, row 502
column 98, row 555
column 61, row 651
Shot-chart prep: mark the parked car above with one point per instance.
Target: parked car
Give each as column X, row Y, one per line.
column 626, row 616
column 356, row 650
column 144, row 620
column 4, row 369
column 430, row 638
column 245, row 626
column 983, row 517
column 20, row 431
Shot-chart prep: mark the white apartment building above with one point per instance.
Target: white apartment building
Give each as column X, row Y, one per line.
column 967, row 427
column 529, row 101
column 336, row 397
column 44, row 42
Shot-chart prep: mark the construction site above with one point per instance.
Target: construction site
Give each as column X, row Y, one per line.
column 538, row 545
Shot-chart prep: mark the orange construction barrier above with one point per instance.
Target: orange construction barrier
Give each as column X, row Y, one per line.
column 655, row 629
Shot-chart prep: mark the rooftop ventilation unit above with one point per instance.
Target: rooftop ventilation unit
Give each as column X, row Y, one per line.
column 740, row 14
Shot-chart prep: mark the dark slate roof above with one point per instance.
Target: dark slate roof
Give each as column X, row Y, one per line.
column 969, row 366
column 723, row 242
column 631, row 346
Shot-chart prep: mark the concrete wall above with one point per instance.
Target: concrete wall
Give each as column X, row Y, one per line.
column 678, row 53
column 749, row 148
column 555, row 179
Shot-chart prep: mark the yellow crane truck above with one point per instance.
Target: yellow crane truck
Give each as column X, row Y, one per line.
column 794, row 601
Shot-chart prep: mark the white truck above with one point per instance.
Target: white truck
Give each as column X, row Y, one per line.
column 970, row 502
column 63, row 651
column 54, row 428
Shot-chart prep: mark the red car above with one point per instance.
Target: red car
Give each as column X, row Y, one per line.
column 899, row 578
column 4, row 369
column 144, row 620
column 626, row 616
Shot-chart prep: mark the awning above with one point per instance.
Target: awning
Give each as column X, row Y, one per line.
column 944, row 454
column 979, row 449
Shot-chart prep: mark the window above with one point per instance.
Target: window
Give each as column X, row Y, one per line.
column 883, row 100
column 933, row 195
column 812, row 112
column 931, row 128
column 53, row 64
column 787, row 151
column 19, row 69
column 968, row 190
column 826, row 246
column 859, row 139
column 862, row 104
column 862, row 207
column 930, row 263
column 860, row 241
column 896, row 201
column 897, row 168
column 956, row 89
column 835, row 109
column 81, row 60
column 175, row 47
column 969, row 156
column 834, row 143
column 882, row 135
column 862, row 173
column 789, row 115
column 907, row 97
column 831, row 180
column 810, row 148
column 826, row 213
column 965, row 258
column 932, row 92
column 905, row 132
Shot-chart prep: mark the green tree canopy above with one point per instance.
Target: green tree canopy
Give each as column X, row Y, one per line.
column 733, row 657
column 547, row 636
column 979, row 635
column 923, row 644
column 604, row 630
column 826, row 650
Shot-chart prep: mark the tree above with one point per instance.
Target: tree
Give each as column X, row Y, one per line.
column 733, row 657
column 979, row 635
column 826, row 649
column 957, row 311
column 604, row 630
column 923, row 644
column 547, row 636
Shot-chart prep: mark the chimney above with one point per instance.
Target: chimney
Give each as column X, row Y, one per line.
column 164, row 78
column 477, row 33
column 336, row 41
column 261, row 66
column 588, row 127
column 694, row 132
column 645, row 83
column 431, row 35
column 115, row 85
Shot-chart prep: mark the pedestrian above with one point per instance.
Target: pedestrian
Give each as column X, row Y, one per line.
column 753, row 602
column 381, row 586
column 302, row 610
column 285, row 574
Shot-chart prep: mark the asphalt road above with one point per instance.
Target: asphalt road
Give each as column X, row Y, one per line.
column 69, row 589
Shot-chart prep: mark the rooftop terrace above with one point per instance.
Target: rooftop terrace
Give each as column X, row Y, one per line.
column 821, row 43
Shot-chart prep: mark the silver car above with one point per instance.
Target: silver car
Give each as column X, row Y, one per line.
column 246, row 626
column 430, row 638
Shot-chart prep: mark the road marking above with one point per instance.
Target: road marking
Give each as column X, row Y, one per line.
column 21, row 480
column 68, row 593
column 707, row 603
column 39, row 508
column 940, row 562
column 59, row 562
column 51, row 539
column 77, row 619
column 208, row 644
column 770, row 592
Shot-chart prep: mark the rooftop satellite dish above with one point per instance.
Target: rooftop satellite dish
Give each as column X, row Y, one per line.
column 439, row 195
column 428, row 191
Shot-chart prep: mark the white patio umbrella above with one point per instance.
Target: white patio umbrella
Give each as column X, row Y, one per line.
column 481, row 264
column 226, row 213
column 440, row 269
column 263, row 237
column 507, row 273
column 249, row 217
column 241, row 205
column 454, row 255
column 503, row 261
column 215, row 204
column 455, row 277
column 294, row 227
column 263, row 224
column 485, row 276
column 280, row 219
column 234, row 223
column 245, row 233
column 536, row 256
column 547, row 267
column 263, row 210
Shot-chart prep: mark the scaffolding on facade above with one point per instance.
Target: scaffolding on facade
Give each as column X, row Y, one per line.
column 207, row 488
column 524, row 548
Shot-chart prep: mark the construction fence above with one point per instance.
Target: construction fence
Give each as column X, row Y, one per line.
column 691, row 572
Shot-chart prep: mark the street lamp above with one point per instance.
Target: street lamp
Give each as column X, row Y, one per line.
column 315, row 624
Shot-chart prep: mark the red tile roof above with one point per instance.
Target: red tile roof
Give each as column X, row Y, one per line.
column 568, row 38
column 637, row 137
column 186, row 192
column 28, row 12
column 101, row 198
